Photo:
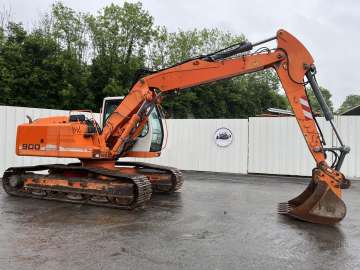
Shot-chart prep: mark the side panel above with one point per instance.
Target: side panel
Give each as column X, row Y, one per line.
column 56, row 140
column 10, row 118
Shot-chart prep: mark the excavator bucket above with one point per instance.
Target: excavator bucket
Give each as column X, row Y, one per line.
column 317, row 204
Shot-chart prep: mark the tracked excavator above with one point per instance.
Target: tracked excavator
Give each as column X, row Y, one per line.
column 131, row 126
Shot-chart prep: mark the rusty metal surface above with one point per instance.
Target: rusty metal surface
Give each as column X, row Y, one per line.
column 217, row 221
column 316, row 204
column 176, row 178
column 113, row 194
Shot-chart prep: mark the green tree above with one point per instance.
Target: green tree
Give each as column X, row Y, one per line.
column 167, row 49
column 69, row 29
column 240, row 97
column 36, row 72
column 350, row 102
column 119, row 36
column 315, row 104
column 22, row 73
column 73, row 60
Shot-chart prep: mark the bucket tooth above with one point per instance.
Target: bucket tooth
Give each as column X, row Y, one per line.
column 316, row 204
column 284, row 208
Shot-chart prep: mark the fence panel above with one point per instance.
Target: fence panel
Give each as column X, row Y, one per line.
column 260, row 145
column 349, row 129
column 191, row 146
column 277, row 146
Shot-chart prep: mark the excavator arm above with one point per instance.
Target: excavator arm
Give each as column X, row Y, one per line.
column 321, row 202
column 99, row 179
column 290, row 59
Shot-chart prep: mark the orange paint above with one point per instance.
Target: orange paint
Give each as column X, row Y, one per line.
column 57, row 137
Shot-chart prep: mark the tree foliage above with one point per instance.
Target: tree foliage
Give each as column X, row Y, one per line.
column 119, row 36
column 73, row 60
column 69, row 29
column 315, row 104
column 350, row 102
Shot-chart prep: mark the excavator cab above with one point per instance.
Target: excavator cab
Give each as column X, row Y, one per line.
column 152, row 135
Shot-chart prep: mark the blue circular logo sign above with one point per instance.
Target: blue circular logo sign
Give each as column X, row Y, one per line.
column 223, row 137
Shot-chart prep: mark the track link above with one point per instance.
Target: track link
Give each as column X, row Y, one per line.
column 119, row 190
column 176, row 181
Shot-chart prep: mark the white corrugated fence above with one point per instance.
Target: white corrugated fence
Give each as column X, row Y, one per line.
column 265, row 145
column 276, row 145
column 191, row 146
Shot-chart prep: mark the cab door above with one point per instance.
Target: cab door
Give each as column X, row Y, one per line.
column 152, row 135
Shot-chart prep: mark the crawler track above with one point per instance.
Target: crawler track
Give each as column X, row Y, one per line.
column 89, row 187
column 163, row 179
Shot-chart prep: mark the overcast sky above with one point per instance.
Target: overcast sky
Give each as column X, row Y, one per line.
column 329, row 29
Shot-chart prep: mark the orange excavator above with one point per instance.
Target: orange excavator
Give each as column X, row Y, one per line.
column 132, row 127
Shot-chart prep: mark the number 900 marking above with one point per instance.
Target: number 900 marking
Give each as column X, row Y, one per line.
column 30, row 146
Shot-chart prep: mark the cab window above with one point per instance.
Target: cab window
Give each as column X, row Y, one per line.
column 109, row 108
column 157, row 131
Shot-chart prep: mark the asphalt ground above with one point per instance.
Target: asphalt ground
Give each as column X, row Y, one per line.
column 217, row 221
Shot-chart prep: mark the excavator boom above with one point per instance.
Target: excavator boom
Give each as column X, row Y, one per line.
column 320, row 203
